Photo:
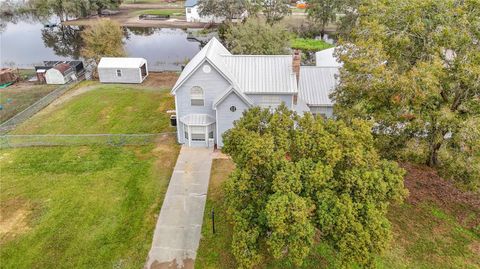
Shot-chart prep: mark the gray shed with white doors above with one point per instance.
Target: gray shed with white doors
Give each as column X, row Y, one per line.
column 122, row 70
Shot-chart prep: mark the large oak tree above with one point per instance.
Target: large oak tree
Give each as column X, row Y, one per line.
column 297, row 177
column 413, row 68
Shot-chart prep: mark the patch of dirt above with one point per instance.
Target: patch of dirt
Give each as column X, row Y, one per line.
column 185, row 264
column 424, row 184
column 14, row 215
column 161, row 80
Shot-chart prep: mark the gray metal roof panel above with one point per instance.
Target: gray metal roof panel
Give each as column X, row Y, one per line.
column 262, row 73
column 316, row 84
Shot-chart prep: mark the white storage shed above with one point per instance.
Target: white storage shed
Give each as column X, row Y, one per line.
column 122, row 70
column 60, row 74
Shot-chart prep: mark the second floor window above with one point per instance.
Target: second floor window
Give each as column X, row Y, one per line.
column 197, row 97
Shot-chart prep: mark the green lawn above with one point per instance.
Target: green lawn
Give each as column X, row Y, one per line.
column 425, row 236
column 309, row 44
column 16, row 98
column 106, row 109
column 171, row 12
column 81, row 207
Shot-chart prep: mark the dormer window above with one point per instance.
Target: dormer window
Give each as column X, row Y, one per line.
column 197, row 97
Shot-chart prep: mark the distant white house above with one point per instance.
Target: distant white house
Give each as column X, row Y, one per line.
column 326, row 58
column 122, row 70
column 60, row 74
column 192, row 11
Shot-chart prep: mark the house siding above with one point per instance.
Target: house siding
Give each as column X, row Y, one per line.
column 327, row 110
column 225, row 117
column 213, row 85
column 129, row 75
column 286, row 98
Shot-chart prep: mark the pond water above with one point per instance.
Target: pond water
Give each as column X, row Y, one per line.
column 28, row 43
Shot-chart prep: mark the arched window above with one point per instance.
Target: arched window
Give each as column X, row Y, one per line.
column 196, row 96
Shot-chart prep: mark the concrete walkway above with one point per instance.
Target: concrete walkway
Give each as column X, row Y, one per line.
column 177, row 234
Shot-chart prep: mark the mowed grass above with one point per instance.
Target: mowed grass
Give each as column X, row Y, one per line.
column 106, row 109
column 309, row 44
column 81, row 207
column 164, row 12
column 425, row 236
column 14, row 99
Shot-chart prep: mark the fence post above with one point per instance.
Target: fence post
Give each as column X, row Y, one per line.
column 213, row 220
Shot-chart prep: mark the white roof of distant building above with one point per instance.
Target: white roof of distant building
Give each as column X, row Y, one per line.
column 326, row 58
column 121, row 62
column 316, row 84
column 247, row 73
column 191, row 3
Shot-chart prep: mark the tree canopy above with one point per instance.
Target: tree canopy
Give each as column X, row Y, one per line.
column 323, row 12
column 413, row 68
column 104, row 38
column 230, row 9
column 298, row 177
column 275, row 10
column 72, row 8
column 257, row 37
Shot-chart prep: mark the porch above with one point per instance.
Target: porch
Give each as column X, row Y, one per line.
column 198, row 130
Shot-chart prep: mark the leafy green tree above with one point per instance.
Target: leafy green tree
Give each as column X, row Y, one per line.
column 104, row 38
column 323, row 12
column 229, row 9
column 66, row 9
column 275, row 10
column 349, row 18
column 257, row 37
column 65, row 40
column 296, row 177
column 413, row 68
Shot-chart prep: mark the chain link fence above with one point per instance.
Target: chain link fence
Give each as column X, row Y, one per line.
column 34, row 108
column 16, row 141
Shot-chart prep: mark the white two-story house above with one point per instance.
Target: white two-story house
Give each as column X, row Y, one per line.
column 215, row 88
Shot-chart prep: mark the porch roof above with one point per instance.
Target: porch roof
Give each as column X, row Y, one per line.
column 197, row 119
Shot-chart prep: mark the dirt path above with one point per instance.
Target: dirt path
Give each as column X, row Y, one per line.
column 424, row 184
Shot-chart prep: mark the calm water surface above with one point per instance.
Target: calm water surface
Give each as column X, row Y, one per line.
column 27, row 43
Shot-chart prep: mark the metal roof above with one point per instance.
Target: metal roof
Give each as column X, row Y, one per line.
column 316, row 83
column 197, row 119
column 247, row 73
column 229, row 90
column 191, row 3
column 121, row 62
column 326, row 58
column 262, row 73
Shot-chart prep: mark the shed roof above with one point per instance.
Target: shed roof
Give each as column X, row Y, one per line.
column 316, row 83
column 326, row 58
column 191, row 3
column 63, row 68
column 247, row 73
column 121, row 62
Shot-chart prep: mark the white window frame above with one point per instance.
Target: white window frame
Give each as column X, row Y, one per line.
column 198, row 133
column 197, row 96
